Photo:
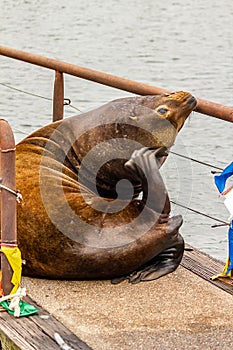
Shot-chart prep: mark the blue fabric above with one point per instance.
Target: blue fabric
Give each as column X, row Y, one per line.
column 230, row 247
column 220, row 180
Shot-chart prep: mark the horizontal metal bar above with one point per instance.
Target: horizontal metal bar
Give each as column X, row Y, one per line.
column 203, row 106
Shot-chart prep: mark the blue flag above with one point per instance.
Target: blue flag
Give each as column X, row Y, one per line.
column 230, row 248
column 220, row 180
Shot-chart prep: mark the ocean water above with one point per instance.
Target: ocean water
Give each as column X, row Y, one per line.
column 177, row 45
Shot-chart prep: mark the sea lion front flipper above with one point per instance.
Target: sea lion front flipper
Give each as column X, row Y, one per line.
column 164, row 263
column 144, row 164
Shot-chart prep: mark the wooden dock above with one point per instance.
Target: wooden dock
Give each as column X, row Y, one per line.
column 36, row 332
column 205, row 266
column 185, row 306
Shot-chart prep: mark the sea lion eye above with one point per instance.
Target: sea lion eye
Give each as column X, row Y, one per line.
column 162, row 110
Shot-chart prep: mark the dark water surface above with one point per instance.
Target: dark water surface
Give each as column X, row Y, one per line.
column 178, row 45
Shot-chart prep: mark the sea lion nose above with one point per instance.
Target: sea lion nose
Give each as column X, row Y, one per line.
column 192, row 101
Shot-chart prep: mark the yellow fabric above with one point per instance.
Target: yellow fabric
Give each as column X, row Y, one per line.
column 223, row 274
column 13, row 255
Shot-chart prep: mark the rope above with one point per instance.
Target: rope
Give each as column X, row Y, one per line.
column 21, row 292
column 20, row 131
column 15, row 300
column 223, row 223
column 15, row 193
column 25, row 92
column 67, row 101
column 197, row 161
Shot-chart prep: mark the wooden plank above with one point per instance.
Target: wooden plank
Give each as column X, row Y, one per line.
column 35, row 332
column 206, row 266
column 51, row 325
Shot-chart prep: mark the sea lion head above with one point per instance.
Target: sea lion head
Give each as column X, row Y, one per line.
column 110, row 134
column 174, row 107
column 154, row 120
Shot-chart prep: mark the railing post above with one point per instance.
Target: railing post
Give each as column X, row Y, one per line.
column 8, row 200
column 58, row 97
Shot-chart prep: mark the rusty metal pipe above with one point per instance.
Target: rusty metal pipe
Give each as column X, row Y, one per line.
column 205, row 107
column 8, row 201
column 216, row 110
column 58, row 97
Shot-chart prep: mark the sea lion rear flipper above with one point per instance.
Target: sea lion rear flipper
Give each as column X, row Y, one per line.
column 164, row 263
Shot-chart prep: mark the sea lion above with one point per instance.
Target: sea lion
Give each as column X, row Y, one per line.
column 94, row 203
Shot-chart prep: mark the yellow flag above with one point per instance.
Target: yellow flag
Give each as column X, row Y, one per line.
column 224, row 273
column 13, row 255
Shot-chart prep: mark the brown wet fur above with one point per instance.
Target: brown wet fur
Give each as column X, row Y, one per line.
column 42, row 163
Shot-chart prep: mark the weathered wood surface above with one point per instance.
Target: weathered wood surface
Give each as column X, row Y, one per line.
column 205, row 266
column 35, row 332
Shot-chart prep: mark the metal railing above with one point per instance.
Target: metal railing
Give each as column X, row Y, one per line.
column 7, row 143
column 203, row 106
